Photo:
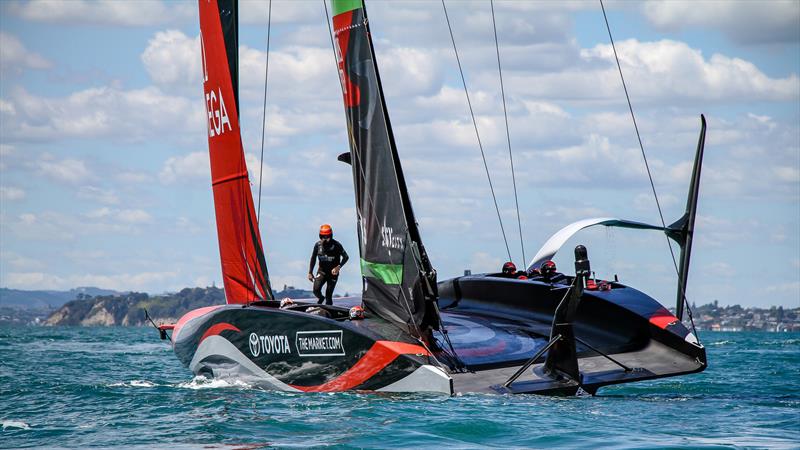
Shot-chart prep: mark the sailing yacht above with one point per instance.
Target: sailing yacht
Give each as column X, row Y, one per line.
column 481, row 333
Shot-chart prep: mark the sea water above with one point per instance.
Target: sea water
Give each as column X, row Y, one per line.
column 120, row 387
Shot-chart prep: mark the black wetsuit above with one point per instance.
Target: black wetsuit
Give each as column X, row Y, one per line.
column 330, row 255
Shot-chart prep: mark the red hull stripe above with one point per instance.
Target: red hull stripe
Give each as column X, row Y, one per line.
column 216, row 329
column 662, row 318
column 380, row 355
column 191, row 315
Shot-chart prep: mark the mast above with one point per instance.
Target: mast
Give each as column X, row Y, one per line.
column 399, row 280
column 244, row 267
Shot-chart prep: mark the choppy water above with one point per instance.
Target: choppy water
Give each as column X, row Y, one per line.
column 123, row 388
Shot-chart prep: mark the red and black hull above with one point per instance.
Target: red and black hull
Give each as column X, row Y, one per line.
column 292, row 350
column 494, row 324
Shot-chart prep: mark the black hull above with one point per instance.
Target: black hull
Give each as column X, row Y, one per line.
column 515, row 318
column 494, row 324
column 291, row 350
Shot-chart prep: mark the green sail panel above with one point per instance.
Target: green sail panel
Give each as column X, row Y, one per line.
column 389, row 274
column 343, row 6
column 395, row 269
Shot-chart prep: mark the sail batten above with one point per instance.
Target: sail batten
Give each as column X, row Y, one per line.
column 393, row 260
column 244, row 268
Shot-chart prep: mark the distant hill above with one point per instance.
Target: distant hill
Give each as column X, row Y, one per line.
column 129, row 309
column 16, row 298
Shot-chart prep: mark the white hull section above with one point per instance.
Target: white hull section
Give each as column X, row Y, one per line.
column 425, row 379
column 235, row 366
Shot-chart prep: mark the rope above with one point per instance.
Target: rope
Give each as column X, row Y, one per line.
column 508, row 134
column 647, row 166
column 477, row 134
column 264, row 114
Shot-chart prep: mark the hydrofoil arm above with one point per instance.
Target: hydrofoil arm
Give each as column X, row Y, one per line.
column 556, row 241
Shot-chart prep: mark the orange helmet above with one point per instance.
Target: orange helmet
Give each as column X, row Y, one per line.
column 325, row 230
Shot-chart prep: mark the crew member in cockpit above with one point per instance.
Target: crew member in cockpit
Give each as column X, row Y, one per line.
column 510, row 271
column 548, row 272
column 332, row 257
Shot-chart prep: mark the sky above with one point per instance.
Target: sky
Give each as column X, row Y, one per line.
column 105, row 181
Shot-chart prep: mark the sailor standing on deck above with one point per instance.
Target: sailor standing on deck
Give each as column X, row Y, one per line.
column 331, row 257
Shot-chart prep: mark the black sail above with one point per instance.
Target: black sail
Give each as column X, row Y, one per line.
column 399, row 282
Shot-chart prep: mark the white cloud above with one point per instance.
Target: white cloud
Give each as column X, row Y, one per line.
column 133, row 177
column 14, row 57
column 104, row 12
column 774, row 21
column 172, row 58
column 413, row 71
column 268, row 174
column 122, row 281
column 720, row 269
column 20, row 262
column 670, row 69
column 7, row 108
column 104, row 112
column 67, row 170
column 99, row 213
column 192, row 166
column 791, row 288
column 99, row 195
column 195, row 166
column 787, row 174
column 134, row 216
column 123, row 216
column 482, row 262
column 27, row 219
column 7, row 155
column 255, row 12
column 11, row 193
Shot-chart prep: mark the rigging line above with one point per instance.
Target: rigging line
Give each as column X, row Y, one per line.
column 646, row 165
column 370, row 200
column 477, row 134
column 508, row 133
column 264, row 114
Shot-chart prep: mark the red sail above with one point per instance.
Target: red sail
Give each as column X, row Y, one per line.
column 244, row 268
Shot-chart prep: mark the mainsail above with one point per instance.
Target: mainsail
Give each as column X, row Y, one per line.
column 244, row 268
column 399, row 282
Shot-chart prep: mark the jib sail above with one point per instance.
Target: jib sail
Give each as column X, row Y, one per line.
column 399, row 282
column 244, row 268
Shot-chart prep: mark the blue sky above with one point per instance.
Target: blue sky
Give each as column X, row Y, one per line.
column 104, row 167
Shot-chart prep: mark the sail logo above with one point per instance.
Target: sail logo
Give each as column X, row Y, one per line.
column 362, row 224
column 319, row 343
column 217, row 113
column 389, row 240
column 218, row 117
column 269, row 345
